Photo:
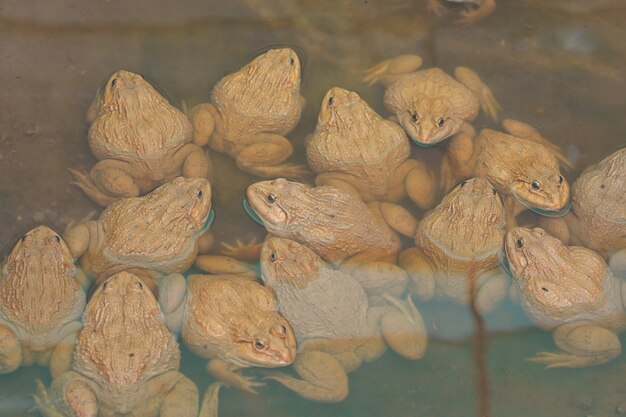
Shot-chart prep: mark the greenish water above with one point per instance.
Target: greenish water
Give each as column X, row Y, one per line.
column 557, row 65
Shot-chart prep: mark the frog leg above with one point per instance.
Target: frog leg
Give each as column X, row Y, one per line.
column 525, row 131
column 264, row 154
column 78, row 235
column 70, row 395
column 584, row 344
column 399, row 219
column 44, row 404
column 204, row 118
column 172, row 296
column 342, row 181
column 10, row 350
column 108, row 181
column 226, row 373
column 492, row 290
column 617, row 263
column 473, row 15
column 194, row 160
column 205, row 242
column 421, row 272
column 221, row 265
column 61, row 357
column 323, row 377
column 181, row 400
column 380, row 277
column 210, row 401
column 471, row 80
column 557, row 227
column 249, row 251
column 435, row 7
column 388, row 71
column 457, row 163
column 403, row 328
column 414, row 179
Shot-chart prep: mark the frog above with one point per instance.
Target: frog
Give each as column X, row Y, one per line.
column 336, row 328
column 231, row 320
column 335, row 224
column 160, row 231
column 458, row 247
column 477, row 9
column 140, row 140
column 522, row 165
column 41, row 301
column 126, row 361
column 354, row 148
column 250, row 112
column 597, row 219
column 570, row 291
column 429, row 104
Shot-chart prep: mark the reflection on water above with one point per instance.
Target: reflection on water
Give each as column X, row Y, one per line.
column 557, row 65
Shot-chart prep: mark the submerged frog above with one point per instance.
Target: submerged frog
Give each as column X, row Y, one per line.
column 335, row 326
column 125, row 361
column 250, row 112
column 523, row 166
column 430, row 105
column 477, row 9
column 336, row 225
column 458, row 247
column 598, row 216
column 140, row 139
column 231, row 320
column 570, row 290
column 356, row 149
column 41, row 301
column 159, row 231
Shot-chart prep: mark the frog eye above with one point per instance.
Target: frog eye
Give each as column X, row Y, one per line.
column 282, row 330
column 292, row 61
column 271, row 198
column 113, row 82
column 441, row 121
column 536, row 185
column 105, row 285
column 199, row 194
column 56, row 238
column 273, row 257
column 560, row 179
column 519, row 243
column 139, row 285
column 415, row 117
column 260, row 344
column 493, row 190
column 23, row 239
column 331, row 100
column 463, row 184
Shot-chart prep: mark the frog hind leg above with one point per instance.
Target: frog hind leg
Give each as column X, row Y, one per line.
column 403, row 328
column 582, row 344
column 204, row 118
column 485, row 96
column 194, row 160
column 70, row 394
column 435, row 7
column 210, row 401
column 617, row 263
column 493, row 289
column 264, row 157
column 526, row 131
column 108, row 181
column 457, row 162
column 10, row 350
column 323, row 377
column 420, row 271
column 181, row 400
column 388, row 71
column 413, row 179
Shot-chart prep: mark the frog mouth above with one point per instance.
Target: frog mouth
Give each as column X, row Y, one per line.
column 422, row 144
column 248, row 208
column 208, row 222
column 544, row 212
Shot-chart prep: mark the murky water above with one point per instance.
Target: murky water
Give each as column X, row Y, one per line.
column 557, row 65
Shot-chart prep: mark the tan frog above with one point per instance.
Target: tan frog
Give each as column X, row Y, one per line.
column 356, row 149
column 125, row 361
column 598, row 216
column 41, row 301
column 570, row 290
column 159, row 231
column 523, row 166
column 336, row 225
column 250, row 112
column 335, row 326
column 140, row 139
column 458, row 247
column 429, row 104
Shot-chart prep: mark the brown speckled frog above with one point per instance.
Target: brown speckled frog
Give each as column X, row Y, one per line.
column 458, row 247
column 41, row 301
column 570, row 290
column 250, row 112
column 140, row 139
column 159, row 231
column 125, row 361
column 598, row 216
column 429, row 104
column 523, row 166
column 336, row 328
column 336, row 225
column 356, row 149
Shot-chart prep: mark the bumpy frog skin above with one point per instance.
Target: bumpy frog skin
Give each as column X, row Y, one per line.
column 41, row 301
column 335, row 326
column 523, row 166
column 140, row 139
column 231, row 320
column 159, row 231
column 336, row 225
column 571, row 290
column 125, row 361
column 356, row 149
column 429, row 104
column 250, row 112
column 459, row 241
column 598, row 216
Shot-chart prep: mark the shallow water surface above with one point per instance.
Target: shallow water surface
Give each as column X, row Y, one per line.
column 557, row 65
